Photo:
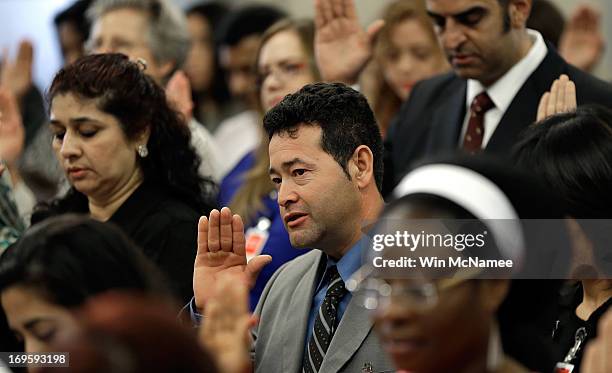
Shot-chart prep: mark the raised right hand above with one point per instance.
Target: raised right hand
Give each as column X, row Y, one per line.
column 221, row 250
column 560, row 99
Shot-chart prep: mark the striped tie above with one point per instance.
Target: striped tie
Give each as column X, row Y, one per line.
column 325, row 322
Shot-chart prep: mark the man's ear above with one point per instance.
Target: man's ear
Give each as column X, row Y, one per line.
column 518, row 11
column 361, row 166
column 493, row 293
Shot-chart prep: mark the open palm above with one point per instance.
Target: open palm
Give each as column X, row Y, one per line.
column 221, row 251
column 342, row 46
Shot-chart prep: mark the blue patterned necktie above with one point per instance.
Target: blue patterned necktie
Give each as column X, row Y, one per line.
column 325, row 323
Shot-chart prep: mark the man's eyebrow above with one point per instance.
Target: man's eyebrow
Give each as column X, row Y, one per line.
column 475, row 8
column 469, row 11
column 290, row 163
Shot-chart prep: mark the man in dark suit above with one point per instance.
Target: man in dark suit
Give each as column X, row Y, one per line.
column 494, row 58
column 492, row 53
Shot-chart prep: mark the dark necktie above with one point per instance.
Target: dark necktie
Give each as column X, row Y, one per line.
column 472, row 142
column 325, row 323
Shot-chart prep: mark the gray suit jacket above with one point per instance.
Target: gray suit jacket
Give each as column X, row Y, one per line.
column 284, row 308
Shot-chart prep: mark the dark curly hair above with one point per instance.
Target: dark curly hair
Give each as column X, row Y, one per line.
column 122, row 89
column 344, row 116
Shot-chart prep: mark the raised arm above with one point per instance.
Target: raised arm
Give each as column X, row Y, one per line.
column 342, row 46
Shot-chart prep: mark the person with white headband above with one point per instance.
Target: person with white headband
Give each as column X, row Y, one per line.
column 457, row 319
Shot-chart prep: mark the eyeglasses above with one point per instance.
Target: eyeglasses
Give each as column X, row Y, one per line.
column 283, row 71
column 374, row 293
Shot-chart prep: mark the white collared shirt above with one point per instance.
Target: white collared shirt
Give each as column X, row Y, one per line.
column 502, row 92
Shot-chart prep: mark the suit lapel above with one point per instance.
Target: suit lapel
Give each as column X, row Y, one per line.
column 296, row 322
column 524, row 107
column 354, row 327
column 446, row 124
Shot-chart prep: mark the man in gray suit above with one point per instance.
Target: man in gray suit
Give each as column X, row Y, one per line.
column 326, row 162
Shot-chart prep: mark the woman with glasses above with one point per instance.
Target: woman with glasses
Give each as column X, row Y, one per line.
column 454, row 319
column 284, row 65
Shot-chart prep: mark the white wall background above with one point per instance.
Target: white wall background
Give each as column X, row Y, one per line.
column 33, row 19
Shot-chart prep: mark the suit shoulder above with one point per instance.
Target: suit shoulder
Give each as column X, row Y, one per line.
column 589, row 88
column 436, row 85
column 300, row 265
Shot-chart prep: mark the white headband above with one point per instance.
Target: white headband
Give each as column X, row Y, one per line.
column 475, row 193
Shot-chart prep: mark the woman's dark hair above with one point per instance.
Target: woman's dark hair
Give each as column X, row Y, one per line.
column 122, row 89
column 71, row 257
column 573, row 154
column 213, row 12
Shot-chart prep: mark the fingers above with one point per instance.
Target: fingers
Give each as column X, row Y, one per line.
column 338, row 8
column 238, row 239
column 214, row 223
column 552, row 101
column 25, row 53
column 254, row 266
column 225, row 230
column 349, row 9
column 202, row 236
column 560, row 99
column 319, row 18
column 374, row 29
column 570, row 96
column 221, row 231
column 560, row 103
column 542, row 106
column 326, row 10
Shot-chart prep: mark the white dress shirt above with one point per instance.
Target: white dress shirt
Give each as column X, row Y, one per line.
column 502, row 92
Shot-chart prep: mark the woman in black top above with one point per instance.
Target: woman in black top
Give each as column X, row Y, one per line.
column 127, row 156
column 573, row 153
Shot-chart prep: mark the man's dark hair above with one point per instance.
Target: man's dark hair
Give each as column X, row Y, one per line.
column 247, row 21
column 344, row 116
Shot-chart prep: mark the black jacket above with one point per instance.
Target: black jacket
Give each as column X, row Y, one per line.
column 429, row 123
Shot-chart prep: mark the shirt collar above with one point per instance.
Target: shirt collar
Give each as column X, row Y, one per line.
column 350, row 262
column 502, row 92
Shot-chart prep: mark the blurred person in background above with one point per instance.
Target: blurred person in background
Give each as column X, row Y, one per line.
column 12, row 142
column 72, row 28
column 406, row 51
column 499, row 71
column 579, row 41
column 35, row 174
column 241, row 32
column 120, row 332
column 57, row 265
column 156, row 32
column 127, row 157
column 285, row 63
column 209, row 90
